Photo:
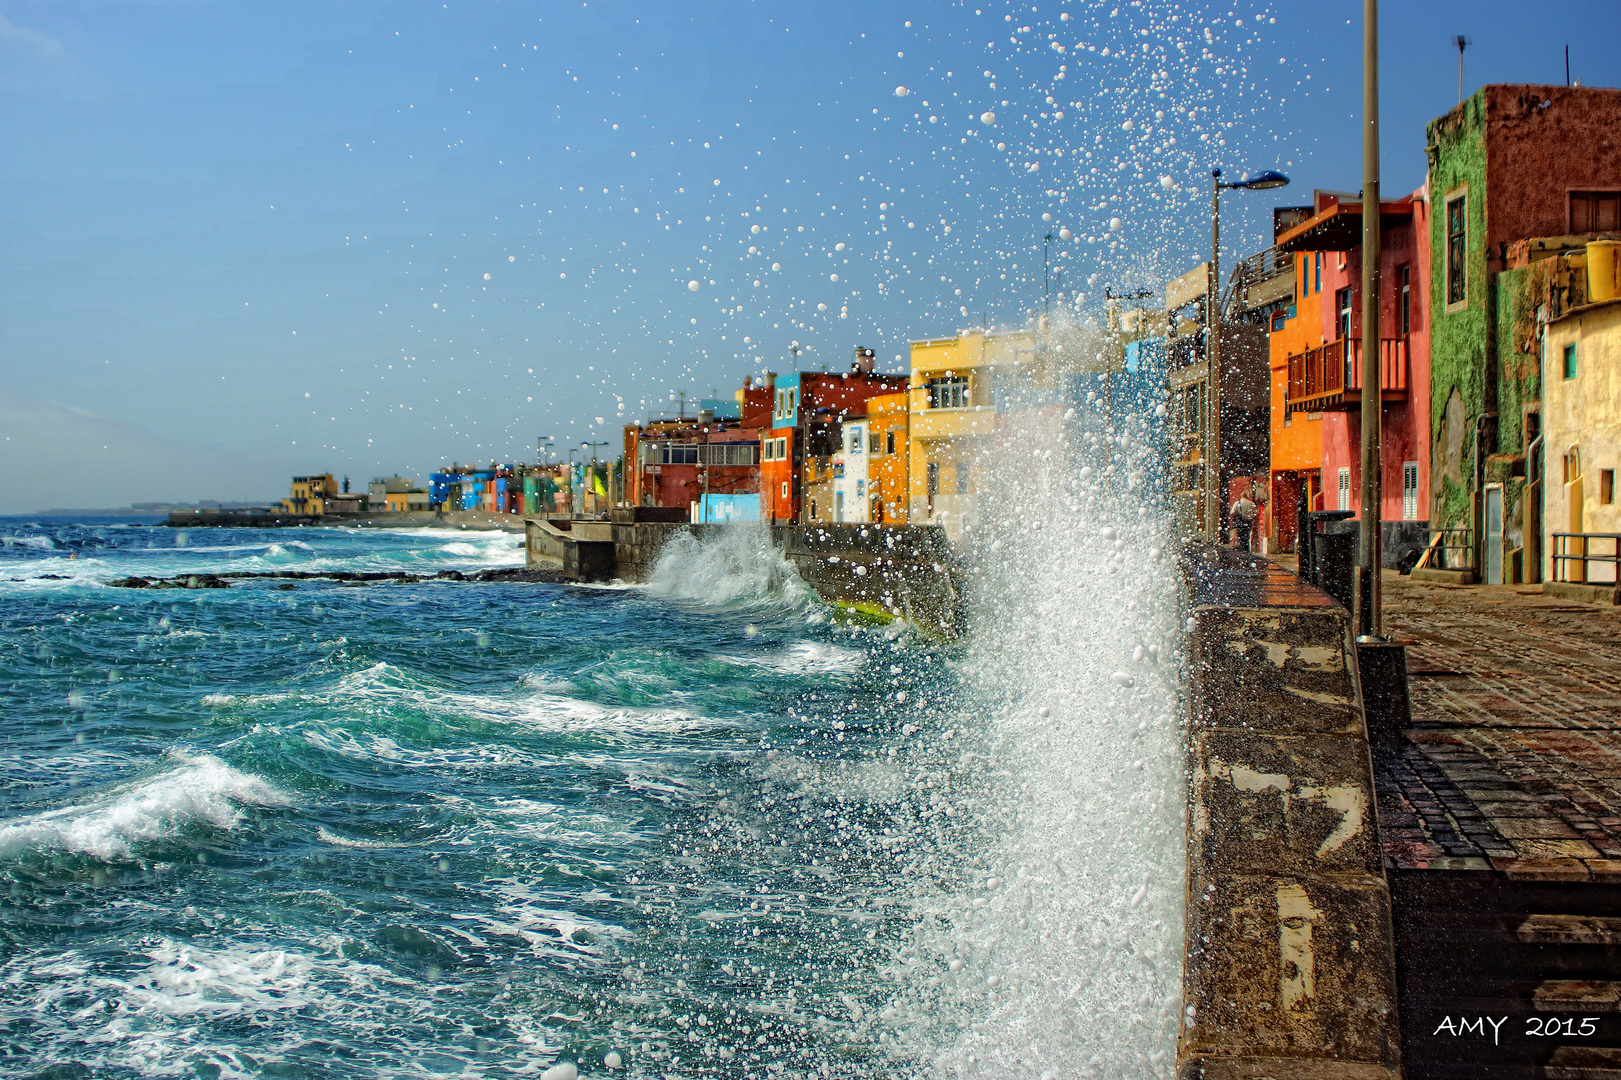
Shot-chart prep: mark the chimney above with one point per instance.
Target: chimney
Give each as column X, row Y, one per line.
column 771, row 382
column 864, row 360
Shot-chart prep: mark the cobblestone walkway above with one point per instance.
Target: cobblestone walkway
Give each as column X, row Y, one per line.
column 1514, row 760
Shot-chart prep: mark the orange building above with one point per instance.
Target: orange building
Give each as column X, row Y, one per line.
column 887, row 427
column 1296, row 437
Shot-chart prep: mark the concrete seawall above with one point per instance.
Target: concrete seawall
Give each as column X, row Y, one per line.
column 1290, row 965
column 904, row 572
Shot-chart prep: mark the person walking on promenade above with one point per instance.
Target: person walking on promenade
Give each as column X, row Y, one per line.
column 1243, row 517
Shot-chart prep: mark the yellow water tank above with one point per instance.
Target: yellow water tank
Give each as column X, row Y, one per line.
column 1603, row 270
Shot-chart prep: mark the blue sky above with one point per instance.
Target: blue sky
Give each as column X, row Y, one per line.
column 240, row 241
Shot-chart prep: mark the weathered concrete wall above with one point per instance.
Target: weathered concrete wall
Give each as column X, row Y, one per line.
column 1290, row 965
column 905, row 571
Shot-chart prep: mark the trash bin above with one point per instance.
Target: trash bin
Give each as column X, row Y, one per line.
column 1333, row 556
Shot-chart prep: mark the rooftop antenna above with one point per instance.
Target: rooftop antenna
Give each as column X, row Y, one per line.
column 794, row 350
column 1462, row 42
column 1567, row 65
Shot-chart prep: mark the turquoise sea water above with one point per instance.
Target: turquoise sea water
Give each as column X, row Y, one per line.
column 450, row 829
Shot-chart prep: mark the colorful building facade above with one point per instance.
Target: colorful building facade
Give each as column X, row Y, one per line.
column 887, row 465
column 1512, row 163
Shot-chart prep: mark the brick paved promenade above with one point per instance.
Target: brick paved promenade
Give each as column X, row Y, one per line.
column 1514, row 760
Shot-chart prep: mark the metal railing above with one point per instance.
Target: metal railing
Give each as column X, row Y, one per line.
column 1449, row 549
column 1573, row 554
column 1251, row 273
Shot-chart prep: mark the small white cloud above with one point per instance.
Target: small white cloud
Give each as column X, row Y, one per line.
column 42, row 45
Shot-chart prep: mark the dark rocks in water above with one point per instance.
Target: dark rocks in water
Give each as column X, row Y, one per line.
column 52, row 577
column 287, row 586
column 185, row 581
column 549, row 576
column 349, row 578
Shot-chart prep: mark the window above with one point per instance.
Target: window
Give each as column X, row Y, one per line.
column 962, row 477
column 1606, row 486
column 785, row 489
column 1345, row 487
column 856, row 439
column 1342, row 303
column 1595, row 211
column 1404, row 294
column 1409, row 490
column 889, row 442
column 1570, row 361
column 813, row 510
column 875, row 444
column 950, row 392
column 1456, row 237
column 1278, row 318
column 1317, row 258
column 782, row 448
column 934, row 479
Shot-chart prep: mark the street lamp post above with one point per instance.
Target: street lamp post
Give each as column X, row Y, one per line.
column 1211, row 451
column 1370, row 622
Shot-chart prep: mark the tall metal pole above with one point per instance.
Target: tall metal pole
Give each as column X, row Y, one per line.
column 1212, row 425
column 1372, row 620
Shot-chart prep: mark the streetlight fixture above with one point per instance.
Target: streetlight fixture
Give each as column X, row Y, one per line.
column 1261, row 181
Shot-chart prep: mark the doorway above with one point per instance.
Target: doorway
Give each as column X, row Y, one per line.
column 1494, row 535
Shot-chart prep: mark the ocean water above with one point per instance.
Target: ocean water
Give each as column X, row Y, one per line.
column 698, row 827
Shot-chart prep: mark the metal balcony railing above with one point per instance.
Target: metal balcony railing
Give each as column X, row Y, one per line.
column 1247, row 287
column 1329, row 377
column 1576, row 555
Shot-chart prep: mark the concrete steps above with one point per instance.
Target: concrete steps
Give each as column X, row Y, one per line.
column 1507, row 980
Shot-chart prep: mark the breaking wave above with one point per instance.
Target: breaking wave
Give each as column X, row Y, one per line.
column 198, row 790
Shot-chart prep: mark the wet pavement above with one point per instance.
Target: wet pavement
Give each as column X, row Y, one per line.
column 1513, row 763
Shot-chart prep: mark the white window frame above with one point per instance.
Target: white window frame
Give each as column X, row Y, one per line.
column 1345, row 487
column 1409, row 490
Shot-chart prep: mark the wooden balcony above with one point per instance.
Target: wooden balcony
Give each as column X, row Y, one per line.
column 1329, row 377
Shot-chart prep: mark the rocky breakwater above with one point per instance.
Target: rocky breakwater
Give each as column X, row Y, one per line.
column 1290, row 964
column 346, row 577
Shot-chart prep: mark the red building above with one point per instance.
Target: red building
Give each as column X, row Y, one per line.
column 1328, row 379
column 808, row 410
column 675, row 462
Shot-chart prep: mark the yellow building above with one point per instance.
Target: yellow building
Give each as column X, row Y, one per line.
column 952, row 419
column 888, row 468
column 309, row 494
column 1581, row 439
column 398, row 502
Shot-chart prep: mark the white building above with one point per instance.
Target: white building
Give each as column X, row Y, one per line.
column 850, row 501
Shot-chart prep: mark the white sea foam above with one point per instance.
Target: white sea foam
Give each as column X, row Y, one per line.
column 195, row 789
column 37, row 543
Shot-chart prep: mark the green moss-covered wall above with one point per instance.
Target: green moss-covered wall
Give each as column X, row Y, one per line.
column 1519, row 293
column 1458, row 339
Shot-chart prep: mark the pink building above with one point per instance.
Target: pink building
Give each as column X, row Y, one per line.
column 1328, row 379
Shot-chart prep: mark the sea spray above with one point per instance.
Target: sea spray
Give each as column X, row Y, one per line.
column 726, row 565
column 1055, row 950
